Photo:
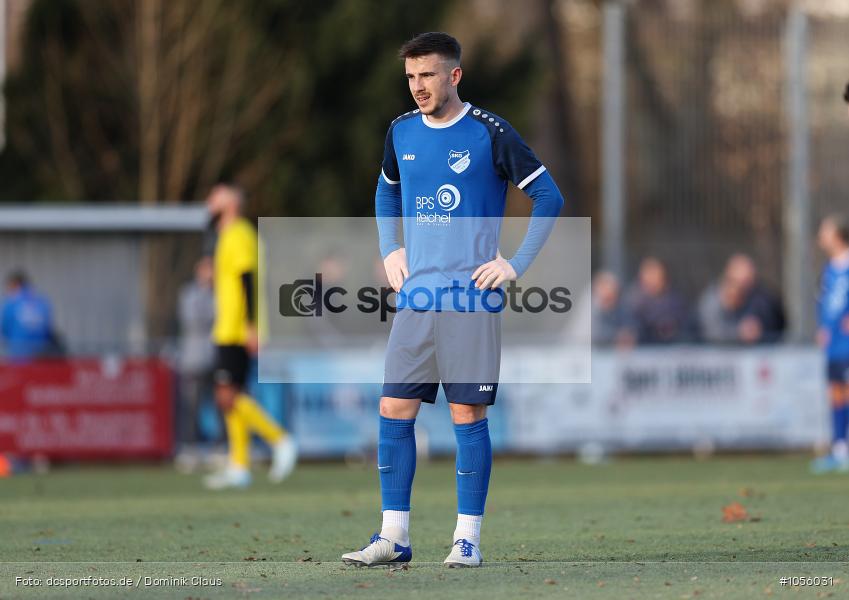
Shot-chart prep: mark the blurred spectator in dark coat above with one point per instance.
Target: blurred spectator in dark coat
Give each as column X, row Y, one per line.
column 655, row 312
column 608, row 314
column 738, row 309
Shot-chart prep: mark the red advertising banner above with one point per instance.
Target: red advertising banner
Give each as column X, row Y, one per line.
column 87, row 409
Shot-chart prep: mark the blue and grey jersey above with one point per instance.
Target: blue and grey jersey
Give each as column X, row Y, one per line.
column 449, row 183
column 834, row 309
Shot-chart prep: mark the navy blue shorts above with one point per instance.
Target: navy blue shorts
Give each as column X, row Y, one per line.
column 462, row 351
column 838, row 371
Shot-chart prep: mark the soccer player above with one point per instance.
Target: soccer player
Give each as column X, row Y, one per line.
column 445, row 171
column 833, row 336
column 235, row 335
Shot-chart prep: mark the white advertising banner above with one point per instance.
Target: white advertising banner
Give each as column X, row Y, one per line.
column 672, row 398
column 677, row 398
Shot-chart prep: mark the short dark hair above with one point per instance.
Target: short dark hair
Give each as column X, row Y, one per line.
column 846, row 93
column 433, row 42
column 17, row 278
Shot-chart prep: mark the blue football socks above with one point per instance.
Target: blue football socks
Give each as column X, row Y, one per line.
column 474, row 464
column 396, row 461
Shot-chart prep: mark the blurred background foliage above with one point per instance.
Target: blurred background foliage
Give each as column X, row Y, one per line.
column 155, row 101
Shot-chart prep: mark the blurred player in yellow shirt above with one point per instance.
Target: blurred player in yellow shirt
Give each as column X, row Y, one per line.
column 235, row 336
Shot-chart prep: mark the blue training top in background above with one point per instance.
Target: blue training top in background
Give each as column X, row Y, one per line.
column 453, row 185
column 834, row 308
column 26, row 324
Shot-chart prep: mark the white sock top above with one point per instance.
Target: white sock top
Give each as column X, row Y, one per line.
column 396, row 525
column 468, row 528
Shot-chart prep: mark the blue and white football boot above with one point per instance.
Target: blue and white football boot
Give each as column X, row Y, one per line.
column 464, row 554
column 829, row 464
column 380, row 552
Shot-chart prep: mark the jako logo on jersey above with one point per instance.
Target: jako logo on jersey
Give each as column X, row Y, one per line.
column 448, row 197
column 459, row 160
column 485, row 388
column 408, row 157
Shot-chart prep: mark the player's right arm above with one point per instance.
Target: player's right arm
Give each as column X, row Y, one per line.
column 823, row 335
column 388, row 210
column 6, row 320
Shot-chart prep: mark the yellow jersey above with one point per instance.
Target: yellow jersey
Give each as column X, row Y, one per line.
column 235, row 253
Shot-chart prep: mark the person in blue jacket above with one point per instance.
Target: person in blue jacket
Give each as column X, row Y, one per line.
column 26, row 320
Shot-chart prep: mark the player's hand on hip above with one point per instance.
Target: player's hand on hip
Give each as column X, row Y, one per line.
column 395, row 264
column 494, row 273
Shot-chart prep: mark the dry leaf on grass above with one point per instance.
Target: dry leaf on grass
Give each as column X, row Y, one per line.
column 734, row 512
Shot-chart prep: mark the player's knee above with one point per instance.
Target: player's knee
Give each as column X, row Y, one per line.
column 462, row 414
column 844, row 393
column 837, row 393
column 398, row 408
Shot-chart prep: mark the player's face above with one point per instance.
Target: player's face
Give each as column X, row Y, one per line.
column 433, row 80
column 652, row 277
column 827, row 236
column 215, row 202
column 221, row 200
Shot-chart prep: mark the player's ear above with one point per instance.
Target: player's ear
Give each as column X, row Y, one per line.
column 456, row 75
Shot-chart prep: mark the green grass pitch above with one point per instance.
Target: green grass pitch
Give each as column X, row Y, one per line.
column 636, row 528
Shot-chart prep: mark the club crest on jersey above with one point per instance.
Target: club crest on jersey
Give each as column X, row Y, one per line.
column 459, row 160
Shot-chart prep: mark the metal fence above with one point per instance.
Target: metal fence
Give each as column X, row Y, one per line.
column 112, row 274
column 723, row 130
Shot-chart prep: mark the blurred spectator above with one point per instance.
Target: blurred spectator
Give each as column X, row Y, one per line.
column 739, row 309
column 608, row 314
column 656, row 313
column 846, row 94
column 197, row 353
column 26, row 321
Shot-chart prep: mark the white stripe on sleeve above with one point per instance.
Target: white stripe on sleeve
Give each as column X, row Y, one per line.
column 526, row 180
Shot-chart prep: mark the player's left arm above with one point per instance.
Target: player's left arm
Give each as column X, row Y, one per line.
column 6, row 320
column 516, row 162
column 246, row 266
